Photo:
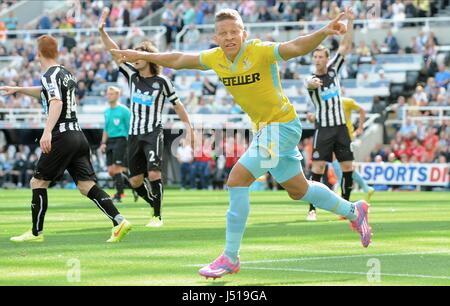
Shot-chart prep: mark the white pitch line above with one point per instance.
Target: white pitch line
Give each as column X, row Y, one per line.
column 348, row 272
column 335, row 257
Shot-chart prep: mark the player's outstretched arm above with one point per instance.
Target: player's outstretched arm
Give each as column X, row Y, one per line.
column 174, row 60
column 345, row 46
column 305, row 44
column 29, row 91
column 362, row 119
column 106, row 39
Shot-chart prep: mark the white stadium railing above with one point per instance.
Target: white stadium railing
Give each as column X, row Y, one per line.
column 441, row 114
column 34, row 118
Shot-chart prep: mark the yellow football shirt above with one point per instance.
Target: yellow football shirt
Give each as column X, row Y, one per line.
column 253, row 80
column 349, row 106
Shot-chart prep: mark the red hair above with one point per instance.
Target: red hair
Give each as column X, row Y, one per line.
column 48, row 46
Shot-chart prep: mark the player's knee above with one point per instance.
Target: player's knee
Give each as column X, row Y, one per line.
column 36, row 183
column 85, row 187
column 296, row 195
column 136, row 181
column 154, row 175
column 319, row 169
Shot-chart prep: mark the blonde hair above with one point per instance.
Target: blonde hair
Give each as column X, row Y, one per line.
column 229, row 14
column 114, row 88
column 322, row 48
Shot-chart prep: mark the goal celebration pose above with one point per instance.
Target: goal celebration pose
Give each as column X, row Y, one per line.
column 249, row 71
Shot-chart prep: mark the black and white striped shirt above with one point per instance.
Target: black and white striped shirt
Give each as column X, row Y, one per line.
column 59, row 84
column 327, row 98
column 147, row 97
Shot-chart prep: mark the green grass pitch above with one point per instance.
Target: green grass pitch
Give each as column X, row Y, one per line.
column 411, row 242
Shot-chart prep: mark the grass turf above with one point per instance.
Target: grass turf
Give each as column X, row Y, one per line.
column 411, row 242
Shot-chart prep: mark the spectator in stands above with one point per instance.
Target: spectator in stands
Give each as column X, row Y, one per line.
column 362, row 49
column 223, row 107
column 417, row 150
column 409, row 128
column 111, row 74
column 81, row 90
column 101, row 72
column 420, row 98
column 11, row 23
column 431, row 51
column 431, row 89
column 300, row 10
column 247, row 9
column 168, row 19
column 391, row 43
column 45, row 22
column 192, row 37
column 223, row 4
column 264, row 14
column 90, row 80
column 374, row 49
column 188, row 13
column 443, row 76
column 185, row 157
column 431, row 137
column 410, row 9
column 398, row 9
column 203, row 107
column 421, row 131
column 19, row 171
column 200, row 166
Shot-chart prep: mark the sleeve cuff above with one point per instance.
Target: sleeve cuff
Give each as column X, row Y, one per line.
column 201, row 62
column 278, row 57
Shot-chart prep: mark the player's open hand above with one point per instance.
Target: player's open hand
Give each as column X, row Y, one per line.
column 349, row 14
column 8, row 90
column 336, row 27
column 102, row 21
column 46, row 142
column 129, row 55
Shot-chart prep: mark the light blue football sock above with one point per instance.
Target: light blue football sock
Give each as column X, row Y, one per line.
column 337, row 170
column 322, row 197
column 360, row 181
column 237, row 215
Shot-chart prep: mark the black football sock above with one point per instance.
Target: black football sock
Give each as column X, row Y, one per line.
column 157, row 192
column 347, row 184
column 317, row 178
column 144, row 193
column 39, row 205
column 104, row 202
column 126, row 181
column 118, row 181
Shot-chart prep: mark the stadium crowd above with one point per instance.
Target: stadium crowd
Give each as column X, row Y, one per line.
column 413, row 141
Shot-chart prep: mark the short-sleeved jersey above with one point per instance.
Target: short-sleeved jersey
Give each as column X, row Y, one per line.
column 117, row 121
column 253, row 80
column 350, row 105
column 147, row 97
column 59, row 84
column 327, row 98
